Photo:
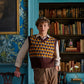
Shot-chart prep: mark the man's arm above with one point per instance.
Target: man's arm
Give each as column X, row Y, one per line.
column 20, row 57
column 57, row 60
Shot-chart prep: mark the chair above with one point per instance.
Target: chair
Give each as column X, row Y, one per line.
column 7, row 77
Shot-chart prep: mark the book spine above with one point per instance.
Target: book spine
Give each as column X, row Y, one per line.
column 73, row 29
column 82, row 28
column 82, row 65
column 81, row 45
column 62, row 47
column 61, row 29
column 55, row 29
column 78, row 46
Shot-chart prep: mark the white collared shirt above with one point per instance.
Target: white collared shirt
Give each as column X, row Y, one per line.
column 41, row 37
column 25, row 48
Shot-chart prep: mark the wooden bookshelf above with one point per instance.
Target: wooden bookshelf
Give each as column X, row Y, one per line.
column 75, row 15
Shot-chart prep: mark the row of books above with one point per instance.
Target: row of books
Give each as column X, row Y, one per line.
column 78, row 48
column 62, row 13
column 61, row 29
column 70, row 66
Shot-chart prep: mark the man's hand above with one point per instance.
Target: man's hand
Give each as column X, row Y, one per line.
column 17, row 72
column 57, row 68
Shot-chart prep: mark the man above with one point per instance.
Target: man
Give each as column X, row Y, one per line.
column 44, row 54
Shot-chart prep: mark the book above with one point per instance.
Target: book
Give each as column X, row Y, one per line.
column 41, row 13
column 64, row 12
column 69, row 66
column 81, row 12
column 78, row 27
column 52, row 28
column 82, row 65
column 78, row 64
column 78, row 46
column 62, row 45
column 62, row 29
column 66, row 29
column 81, row 45
column 74, row 29
column 71, row 29
column 73, row 49
column 54, row 13
column 58, row 27
column 72, row 12
column 51, row 13
column 59, row 13
column 77, row 12
column 47, row 14
column 55, row 28
column 72, row 65
column 82, row 28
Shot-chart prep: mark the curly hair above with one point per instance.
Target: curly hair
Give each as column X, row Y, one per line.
column 42, row 20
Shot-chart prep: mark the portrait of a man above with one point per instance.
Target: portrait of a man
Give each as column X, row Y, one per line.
column 8, row 15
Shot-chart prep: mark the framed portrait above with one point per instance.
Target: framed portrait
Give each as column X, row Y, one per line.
column 9, row 17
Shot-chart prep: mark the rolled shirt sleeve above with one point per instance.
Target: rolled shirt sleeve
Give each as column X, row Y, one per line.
column 57, row 59
column 22, row 53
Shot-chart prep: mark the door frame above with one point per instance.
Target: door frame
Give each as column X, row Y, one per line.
column 33, row 14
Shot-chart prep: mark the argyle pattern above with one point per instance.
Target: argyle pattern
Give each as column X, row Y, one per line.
column 41, row 51
column 40, row 48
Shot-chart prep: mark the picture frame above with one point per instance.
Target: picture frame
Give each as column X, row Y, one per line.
column 9, row 17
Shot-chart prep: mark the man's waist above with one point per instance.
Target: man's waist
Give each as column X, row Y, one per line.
column 42, row 62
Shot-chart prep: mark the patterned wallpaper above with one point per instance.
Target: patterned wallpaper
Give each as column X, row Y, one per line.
column 11, row 44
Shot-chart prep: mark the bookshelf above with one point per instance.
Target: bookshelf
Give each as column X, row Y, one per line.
column 66, row 15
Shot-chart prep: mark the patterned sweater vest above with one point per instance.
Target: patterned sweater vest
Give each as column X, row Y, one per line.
column 42, row 52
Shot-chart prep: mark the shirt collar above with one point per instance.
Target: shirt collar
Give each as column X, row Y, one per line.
column 44, row 37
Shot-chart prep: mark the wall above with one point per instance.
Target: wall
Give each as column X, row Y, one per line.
column 11, row 44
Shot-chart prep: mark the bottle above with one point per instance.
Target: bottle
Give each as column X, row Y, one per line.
column 70, row 43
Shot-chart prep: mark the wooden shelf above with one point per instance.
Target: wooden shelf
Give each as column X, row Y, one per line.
column 61, row 5
column 69, row 36
column 71, row 57
column 72, row 53
column 66, row 18
column 69, row 72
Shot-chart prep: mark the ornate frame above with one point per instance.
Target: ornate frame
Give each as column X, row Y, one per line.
column 14, row 18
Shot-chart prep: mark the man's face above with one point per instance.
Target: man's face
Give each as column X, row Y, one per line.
column 43, row 28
